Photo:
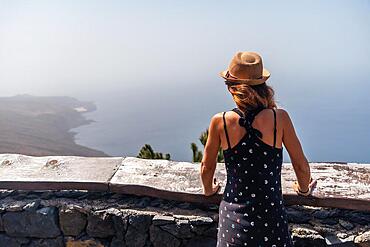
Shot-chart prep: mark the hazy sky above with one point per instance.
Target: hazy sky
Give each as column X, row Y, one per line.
column 318, row 53
column 47, row 46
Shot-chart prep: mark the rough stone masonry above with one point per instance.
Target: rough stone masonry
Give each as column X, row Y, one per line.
column 87, row 219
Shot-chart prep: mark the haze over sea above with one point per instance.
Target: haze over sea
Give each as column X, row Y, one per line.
column 152, row 67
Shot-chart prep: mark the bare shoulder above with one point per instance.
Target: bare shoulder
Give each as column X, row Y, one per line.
column 216, row 119
column 284, row 115
column 282, row 112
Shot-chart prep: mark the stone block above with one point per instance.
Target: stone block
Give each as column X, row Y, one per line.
column 321, row 214
column 138, row 230
column 297, row 216
column 361, row 218
column 100, row 225
column 363, row 240
column 7, row 241
column 120, row 223
column 304, row 237
column 140, row 221
column 346, row 224
column 72, row 222
column 182, row 229
column 42, row 223
column 159, row 237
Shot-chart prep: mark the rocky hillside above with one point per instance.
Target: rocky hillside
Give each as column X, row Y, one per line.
column 41, row 125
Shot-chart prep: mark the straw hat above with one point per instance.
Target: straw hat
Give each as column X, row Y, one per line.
column 246, row 67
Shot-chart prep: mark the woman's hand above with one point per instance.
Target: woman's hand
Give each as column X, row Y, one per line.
column 311, row 187
column 215, row 188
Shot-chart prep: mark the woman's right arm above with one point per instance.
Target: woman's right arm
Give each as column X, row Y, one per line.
column 296, row 154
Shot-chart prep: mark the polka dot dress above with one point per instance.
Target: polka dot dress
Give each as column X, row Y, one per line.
column 252, row 211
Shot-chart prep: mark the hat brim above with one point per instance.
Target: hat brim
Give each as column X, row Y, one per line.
column 265, row 76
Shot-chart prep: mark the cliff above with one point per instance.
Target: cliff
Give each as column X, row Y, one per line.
column 40, row 126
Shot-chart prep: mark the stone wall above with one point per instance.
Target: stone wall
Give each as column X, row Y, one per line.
column 339, row 185
column 82, row 219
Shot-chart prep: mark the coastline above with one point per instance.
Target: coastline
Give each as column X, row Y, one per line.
column 41, row 125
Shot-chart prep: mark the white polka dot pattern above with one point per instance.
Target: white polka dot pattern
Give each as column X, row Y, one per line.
column 252, row 212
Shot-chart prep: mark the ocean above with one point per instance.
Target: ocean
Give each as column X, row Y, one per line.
column 330, row 115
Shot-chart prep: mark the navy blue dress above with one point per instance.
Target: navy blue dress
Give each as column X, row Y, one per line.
column 252, row 211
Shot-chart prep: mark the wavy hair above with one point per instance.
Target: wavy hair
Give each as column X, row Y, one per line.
column 249, row 98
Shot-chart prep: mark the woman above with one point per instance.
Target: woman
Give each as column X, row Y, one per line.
column 252, row 211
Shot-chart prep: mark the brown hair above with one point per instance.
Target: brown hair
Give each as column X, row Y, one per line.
column 248, row 98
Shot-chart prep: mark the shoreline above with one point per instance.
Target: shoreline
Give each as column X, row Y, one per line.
column 82, row 110
column 43, row 125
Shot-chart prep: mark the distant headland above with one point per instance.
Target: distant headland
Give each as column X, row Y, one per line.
column 41, row 126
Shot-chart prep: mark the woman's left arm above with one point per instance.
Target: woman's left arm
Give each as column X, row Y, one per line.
column 209, row 160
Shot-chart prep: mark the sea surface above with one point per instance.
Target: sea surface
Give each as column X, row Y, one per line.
column 330, row 116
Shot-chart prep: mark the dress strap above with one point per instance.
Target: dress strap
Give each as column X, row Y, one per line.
column 227, row 136
column 238, row 111
column 246, row 121
column 247, row 118
column 274, row 126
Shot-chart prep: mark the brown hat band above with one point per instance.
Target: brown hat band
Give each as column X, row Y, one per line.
column 233, row 83
column 228, row 75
